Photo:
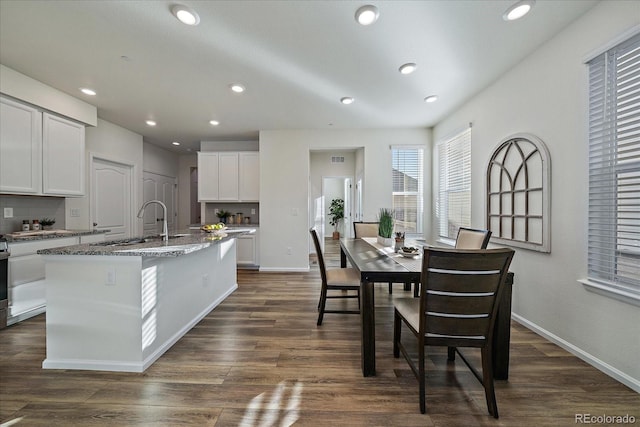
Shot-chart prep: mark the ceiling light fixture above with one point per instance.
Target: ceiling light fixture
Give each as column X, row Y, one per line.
column 175, row 143
column 185, row 14
column 367, row 15
column 237, row 88
column 431, row 98
column 347, row 100
column 151, row 123
column 518, row 10
column 88, row 91
column 214, row 122
column 407, row 68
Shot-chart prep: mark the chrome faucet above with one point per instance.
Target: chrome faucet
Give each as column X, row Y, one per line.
column 165, row 230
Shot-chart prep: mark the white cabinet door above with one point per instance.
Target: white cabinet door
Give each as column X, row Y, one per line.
column 207, row 176
column 249, row 177
column 20, row 148
column 63, row 165
column 246, row 250
column 228, row 176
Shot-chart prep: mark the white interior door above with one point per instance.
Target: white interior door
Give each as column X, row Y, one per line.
column 111, row 198
column 163, row 188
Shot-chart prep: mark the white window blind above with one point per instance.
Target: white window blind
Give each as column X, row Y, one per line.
column 453, row 206
column 614, row 168
column 407, row 173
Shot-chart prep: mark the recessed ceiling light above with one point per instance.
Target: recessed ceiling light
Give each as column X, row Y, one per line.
column 367, row 15
column 88, row 91
column 431, row 98
column 214, row 122
column 237, row 88
column 150, row 123
column 347, row 100
column 518, row 10
column 185, row 14
column 407, row 68
column 175, row 143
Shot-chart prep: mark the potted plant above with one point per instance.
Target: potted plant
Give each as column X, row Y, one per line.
column 47, row 223
column 222, row 215
column 336, row 212
column 385, row 227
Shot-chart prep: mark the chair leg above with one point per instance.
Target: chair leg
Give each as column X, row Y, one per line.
column 323, row 302
column 487, row 381
column 451, row 353
column 397, row 327
column 416, row 289
column 390, row 288
column 422, row 380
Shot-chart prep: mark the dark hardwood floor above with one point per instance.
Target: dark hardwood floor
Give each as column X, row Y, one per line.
column 260, row 360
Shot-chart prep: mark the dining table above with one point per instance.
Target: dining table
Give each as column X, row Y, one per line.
column 378, row 263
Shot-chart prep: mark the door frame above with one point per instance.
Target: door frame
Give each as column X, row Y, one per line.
column 132, row 188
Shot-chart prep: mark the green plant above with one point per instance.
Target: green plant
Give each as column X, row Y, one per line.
column 336, row 212
column 222, row 214
column 45, row 222
column 385, row 219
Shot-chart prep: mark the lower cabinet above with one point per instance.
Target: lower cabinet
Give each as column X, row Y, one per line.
column 247, row 251
column 26, row 285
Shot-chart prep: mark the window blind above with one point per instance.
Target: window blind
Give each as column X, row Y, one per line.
column 614, row 167
column 453, row 206
column 407, row 174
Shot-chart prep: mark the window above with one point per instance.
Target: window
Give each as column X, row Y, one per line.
column 453, row 206
column 614, row 170
column 407, row 173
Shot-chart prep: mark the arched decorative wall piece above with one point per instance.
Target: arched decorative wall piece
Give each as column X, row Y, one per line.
column 519, row 193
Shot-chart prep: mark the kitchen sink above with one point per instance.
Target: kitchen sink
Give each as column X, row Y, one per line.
column 136, row 240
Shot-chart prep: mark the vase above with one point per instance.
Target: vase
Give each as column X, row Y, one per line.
column 385, row 241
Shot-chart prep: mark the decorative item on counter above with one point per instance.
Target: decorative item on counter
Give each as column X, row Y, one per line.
column 385, row 227
column 239, row 218
column 25, row 225
column 223, row 215
column 247, row 220
column 216, row 229
column 47, row 223
column 36, row 225
column 399, row 241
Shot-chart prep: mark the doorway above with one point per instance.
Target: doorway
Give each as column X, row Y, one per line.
column 111, row 197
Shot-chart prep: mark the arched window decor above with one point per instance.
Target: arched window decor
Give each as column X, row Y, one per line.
column 518, row 193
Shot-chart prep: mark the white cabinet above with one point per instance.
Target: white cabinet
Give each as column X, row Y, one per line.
column 207, row 176
column 63, row 169
column 20, row 148
column 249, row 176
column 26, row 284
column 247, row 250
column 40, row 154
column 228, row 176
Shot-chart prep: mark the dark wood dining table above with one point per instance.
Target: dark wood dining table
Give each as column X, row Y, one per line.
column 378, row 265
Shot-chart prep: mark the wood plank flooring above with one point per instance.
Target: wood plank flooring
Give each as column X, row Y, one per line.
column 260, row 360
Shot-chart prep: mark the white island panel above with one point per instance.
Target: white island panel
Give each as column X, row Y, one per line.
column 120, row 313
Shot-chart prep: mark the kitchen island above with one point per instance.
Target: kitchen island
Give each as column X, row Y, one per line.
column 119, row 305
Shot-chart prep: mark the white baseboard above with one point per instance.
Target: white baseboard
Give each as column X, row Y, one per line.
column 283, row 270
column 614, row 373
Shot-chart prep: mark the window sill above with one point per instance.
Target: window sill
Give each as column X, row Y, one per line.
column 611, row 292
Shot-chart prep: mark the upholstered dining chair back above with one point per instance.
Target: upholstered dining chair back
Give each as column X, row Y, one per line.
column 365, row 229
column 471, row 238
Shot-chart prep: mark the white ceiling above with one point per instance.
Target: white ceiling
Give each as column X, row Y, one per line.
column 296, row 59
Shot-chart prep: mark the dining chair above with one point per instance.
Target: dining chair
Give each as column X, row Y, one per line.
column 335, row 279
column 472, row 238
column 457, row 308
column 370, row 229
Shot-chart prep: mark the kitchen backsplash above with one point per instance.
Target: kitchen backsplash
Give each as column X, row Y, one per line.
column 30, row 208
column 246, row 209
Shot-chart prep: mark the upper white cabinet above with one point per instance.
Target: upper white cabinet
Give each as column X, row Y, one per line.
column 20, row 148
column 249, row 177
column 40, row 153
column 228, row 176
column 63, row 168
